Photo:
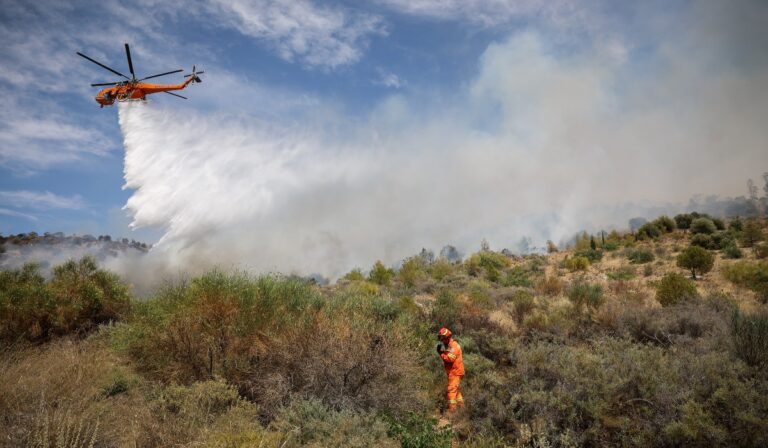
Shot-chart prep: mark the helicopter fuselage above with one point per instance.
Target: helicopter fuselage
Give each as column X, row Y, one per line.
column 130, row 91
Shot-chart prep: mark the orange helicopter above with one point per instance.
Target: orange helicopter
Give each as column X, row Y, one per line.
column 134, row 89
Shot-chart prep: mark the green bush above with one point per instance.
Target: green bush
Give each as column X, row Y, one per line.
column 703, row 225
column 719, row 223
column 611, row 246
column 648, row 230
column 750, row 337
column 584, row 294
column 380, row 274
column 414, row 269
column 593, row 255
column 446, row 309
column 355, row 275
column 312, row 423
column 441, row 269
column 683, row 221
column 640, row 256
column 665, row 224
column 523, row 303
column 78, row 297
column 761, row 251
column 622, row 273
column 752, row 233
column 696, row 259
column 732, row 251
column 749, row 275
column 419, row 431
column 268, row 335
column 674, row 288
column 576, row 263
column 517, row 276
column 702, row 240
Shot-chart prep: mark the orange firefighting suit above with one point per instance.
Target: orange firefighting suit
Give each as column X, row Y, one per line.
column 454, row 368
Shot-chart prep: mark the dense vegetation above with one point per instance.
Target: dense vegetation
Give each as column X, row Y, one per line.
column 611, row 342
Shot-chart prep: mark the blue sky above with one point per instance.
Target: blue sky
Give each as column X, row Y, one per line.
column 301, row 63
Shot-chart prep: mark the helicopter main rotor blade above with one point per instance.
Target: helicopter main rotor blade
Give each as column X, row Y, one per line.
column 161, row 74
column 182, row 97
column 105, row 84
column 130, row 62
column 102, row 65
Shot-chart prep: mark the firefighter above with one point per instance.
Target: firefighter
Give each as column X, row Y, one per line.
column 450, row 352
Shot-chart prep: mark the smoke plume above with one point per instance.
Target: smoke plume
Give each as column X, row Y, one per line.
column 537, row 145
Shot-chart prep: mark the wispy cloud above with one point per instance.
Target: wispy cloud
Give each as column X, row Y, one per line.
column 15, row 214
column 40, row 200
column 299, row 30
column 388, row 79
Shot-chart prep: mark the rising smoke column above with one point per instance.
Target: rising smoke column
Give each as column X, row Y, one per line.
column 536, row 146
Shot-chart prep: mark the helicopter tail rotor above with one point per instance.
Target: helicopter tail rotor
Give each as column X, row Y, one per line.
column 194, row 76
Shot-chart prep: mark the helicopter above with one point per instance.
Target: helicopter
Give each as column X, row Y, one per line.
column 133, row 89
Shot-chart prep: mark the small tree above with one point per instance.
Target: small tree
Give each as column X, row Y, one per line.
column 648, row 230
column 752, row 233
column 696, row 259
column 683, row 221
column 380, row 274
column 736, row 225
column 675, row 288
column 665, row 224
column 703, row 225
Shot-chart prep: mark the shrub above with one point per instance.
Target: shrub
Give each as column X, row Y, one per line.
column 702, row 240
column 576, row 263
column 517, row 276
column 761, row 250
column 380, row 274
column 611, row 246
column 736, row 225
column 721, row 239
column 523, row 303
column 593, row 255
column 479, row 294
column 749, row 275
column 441, row 269
column 674, row 288
column 703, row 225
column 696, row 260
column 446, row 309
column 648, row 230
column 420, row 432
column 648, row 270
column 732, row 251
column 355, row 275
column 665, row 224
column 312, row 423
column 413, row 270
column 640, row 256
column 550, row 286
column 622, row 273
column 750, row 337
column 77, row 298
column 582, row 293
column 274, row 338
column 752, row 233
column 683, row 221
column 719, row 223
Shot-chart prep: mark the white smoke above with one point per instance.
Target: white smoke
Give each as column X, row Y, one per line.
column 537, row 145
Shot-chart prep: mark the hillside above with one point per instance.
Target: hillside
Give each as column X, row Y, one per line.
column 606, row 343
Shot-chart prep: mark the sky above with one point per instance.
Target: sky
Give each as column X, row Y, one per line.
column 365, row 120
